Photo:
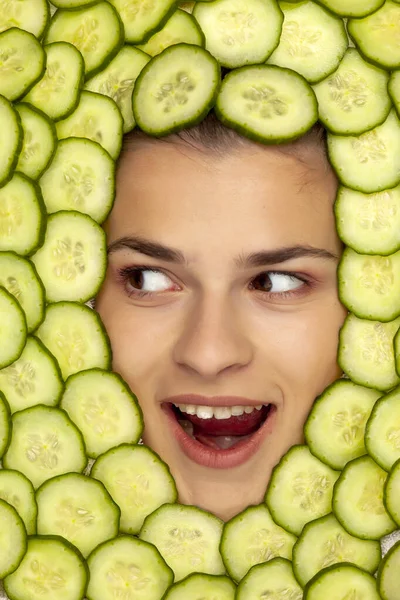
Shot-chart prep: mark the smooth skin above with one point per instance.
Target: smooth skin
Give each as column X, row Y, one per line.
column 214, row 325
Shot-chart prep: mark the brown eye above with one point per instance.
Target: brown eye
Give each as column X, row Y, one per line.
column 148, row 280
column 262, row 282
column 276, row 283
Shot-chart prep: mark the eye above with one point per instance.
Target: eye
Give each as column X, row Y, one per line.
column 145, row 281
column 277, row 283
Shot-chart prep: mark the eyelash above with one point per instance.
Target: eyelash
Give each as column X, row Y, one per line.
column 126, row 273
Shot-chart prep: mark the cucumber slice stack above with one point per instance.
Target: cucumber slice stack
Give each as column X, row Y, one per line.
column 75, row 75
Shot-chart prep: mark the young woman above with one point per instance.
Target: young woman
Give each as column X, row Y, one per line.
column 221, row 301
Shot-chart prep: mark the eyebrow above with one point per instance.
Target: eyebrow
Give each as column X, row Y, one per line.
column 255, row 259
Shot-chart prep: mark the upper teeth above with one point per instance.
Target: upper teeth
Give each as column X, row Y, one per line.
column 218, row 412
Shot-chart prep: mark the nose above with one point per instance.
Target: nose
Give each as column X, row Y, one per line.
column 213, row 338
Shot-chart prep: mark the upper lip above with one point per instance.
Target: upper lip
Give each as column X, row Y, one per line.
column 195, row 399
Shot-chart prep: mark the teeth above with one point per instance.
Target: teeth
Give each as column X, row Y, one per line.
column 218, row 412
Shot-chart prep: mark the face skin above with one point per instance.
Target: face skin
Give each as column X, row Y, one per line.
column 214, row 326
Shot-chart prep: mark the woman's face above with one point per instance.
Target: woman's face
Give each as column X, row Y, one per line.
column 235, row 305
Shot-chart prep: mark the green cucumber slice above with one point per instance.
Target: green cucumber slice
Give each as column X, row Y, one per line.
column 96, row 118
column 187, row 538
column 39, row 143
column 72, row 262
column 30, row 15
column 382, row 436
column 369, row 162
column 44, row 444
column 83, row 174
column 130, row 568
column 176, row 89
column 313, row 41
column 388, row 574
column 377, row 35
column 352, row 8
column 240, row 32
column 335, row 428
column 180, row 28
column 22, row 216
column 19, row 277
column 17, row 490
column 366, row 352
column 355, row 98
column 5, row 424
column 78, row 509
column 267, row 103
column 251, row 538
column 369, row 223
column 35, row 378
column 273, row 579
column 202, row 586
column 13, row 543
column 76, row 337
column 103, row 407
column 13, row 329
column 138, row 480
column 300, row 489
column 392, row 492
column 394, row 90
column 358, row 500
column 95, row 30
column 142, row 18
column 11, row 143
column 57, row 93
column 118, row 79
column 345, row 581
column 51, row 569
column 22, row 62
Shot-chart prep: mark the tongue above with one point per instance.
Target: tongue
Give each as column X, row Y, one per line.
column 234, row 426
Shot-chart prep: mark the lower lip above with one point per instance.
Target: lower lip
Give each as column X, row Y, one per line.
column 220, row 459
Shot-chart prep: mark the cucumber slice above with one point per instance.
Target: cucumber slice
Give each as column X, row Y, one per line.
column 251, row 538
column 127, row 568
column 22, row 216
column 18, row 491
column 240, row 32
column 358, row 500
column 76, row 337
column 369, row 223
column 324, row 543
column 44, row 444
column 369, row 286
column 382, row 436
column 142, row 18
column 187, row 538
column 273, row 579
column 22, row 63
column 300, row 489
column 206, row 587
column 19, row 277
column 397, row 352
column 72, row 262
column 57, row 93
column 335, row 428
column 394, row 90
column 35, row 378
column 13, row 329
column 30, row 15
column 138, row 480
column 388, row 574
column 13, row 543
column 11, row 143
column 377, row 35
column 267, row 103
column 344, row 581
column 180, row 28
column 95, row 30
column 78, row 509
column 96, row 118
column 5, row 427
column 313, row 41
column 39, row 141
column 118, row 79
column 355, row 98
column 104, row 409
column 176, row 89
column 366, row 352
column 83, row 174
column 50, row 570
column 369, row 162
column 352, row 8
column 392, row 493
